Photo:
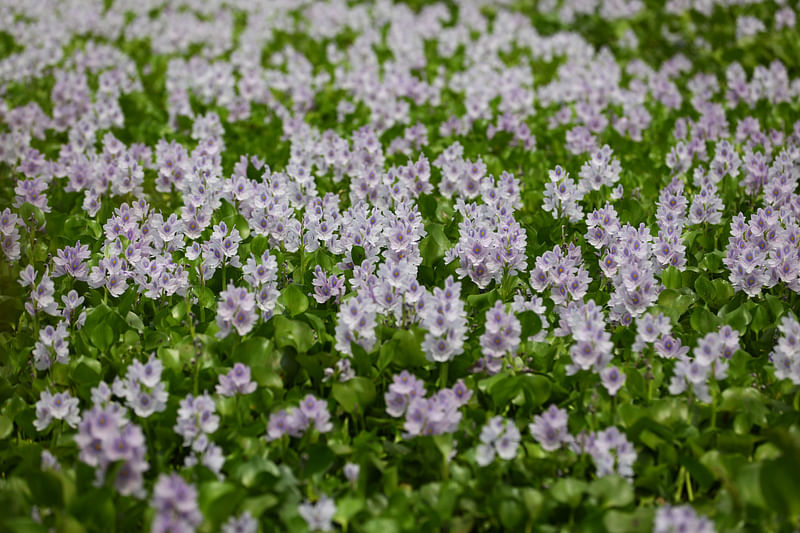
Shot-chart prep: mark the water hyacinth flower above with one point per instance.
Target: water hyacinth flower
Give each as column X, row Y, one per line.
column 561, row 196
column 318, row 515
column 351, row 472
column 785, row 356
column 550, row 428
column 610, row 451
column 9, row 235
column 142, row 388
column 236, row 381
column 197, row 420
column 52, row 346
column 327, row 287
column 175, row 503
column 244, row 523
column 674, row 518
column 105, row 436
column 236, row 309
column 500, row 437
column 59, row 406
column 297, row 420
column 435, row 415
column 710, row 359
column 500, row 338
column 444, row 316
column 612, row 379
column 356, row 322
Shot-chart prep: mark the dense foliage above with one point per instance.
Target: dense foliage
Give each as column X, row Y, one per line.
column 459, row 266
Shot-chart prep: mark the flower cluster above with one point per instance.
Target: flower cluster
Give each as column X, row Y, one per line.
column 562, row 273
column 442, row 313
column 435, row 415
column 106, row 436
column 710, row 358
column 655, row 330
column 41, row 293
column 327, row 287
column 786, row 353
column 318, row 515
column 561, row 196
column 175, row 503
column 491, row 243
column 142, row 388
column 9, row 235
column 296, row 421
column 52, row 346
column 59, row 406
column 585, row 323
column 196, row 421
column 236, row 381
column 500, row 437
column 610, row 450
column 550, row 429
column 601, row 169
column 500, row 338
column 668, row 247
column 262, row 278
column 671, row 518
column 236, row 309
column 764, row 251
column 356, row 324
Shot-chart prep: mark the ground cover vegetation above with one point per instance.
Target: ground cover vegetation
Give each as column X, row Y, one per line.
column 382, row 267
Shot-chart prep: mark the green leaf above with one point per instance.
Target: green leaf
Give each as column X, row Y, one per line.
column 568, row 490
column 738, row 319
column 357, row 254
column 612, row 491
column 703, row 321
column 134, row 321
column 761, row 319
column 102, row 336
column 639, row 521
column 218, row 500
column 294, row 333
column 354, row 395
column 46, row 488
column 536, row 389
column 88, row 371
column 6, row 426
column 745, row 400
column 671, row 277
column 320, row 459
column 293, row 298
column 258, row 245
column 531, row 324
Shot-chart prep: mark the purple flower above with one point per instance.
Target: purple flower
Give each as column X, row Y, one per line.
column 550, row 428
column 244, row 523
column 175, row 502
column 237, row 381
column 351, row 472
column 444, row 316
column 59, row 406
column 671, row 519
column 318, row 515
column 785, row 356
column 502, row 333
column 497, row 436
column 236, row 309
column 142, row 388
column 612, row 379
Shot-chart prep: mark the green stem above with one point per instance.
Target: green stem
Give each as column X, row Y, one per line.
column 443, row 374
column 681, row 475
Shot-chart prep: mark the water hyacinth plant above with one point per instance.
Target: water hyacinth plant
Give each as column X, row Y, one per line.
column 466, row 265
